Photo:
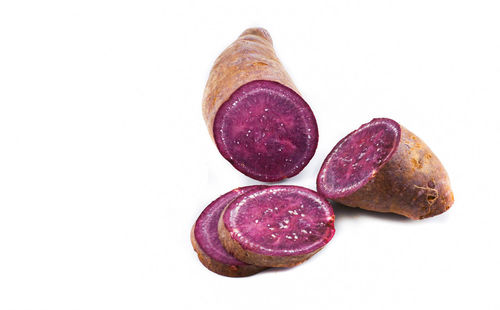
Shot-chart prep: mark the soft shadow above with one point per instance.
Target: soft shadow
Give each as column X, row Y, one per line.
column 285, row 269
column 275, row 270
column 341, row 211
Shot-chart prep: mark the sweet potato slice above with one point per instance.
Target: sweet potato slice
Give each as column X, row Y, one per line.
column 384, row 167
column 205, row 239
column 277, row 226
column 254, row 112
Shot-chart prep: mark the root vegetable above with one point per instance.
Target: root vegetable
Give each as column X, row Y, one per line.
column 384, row 167
column 205, row 239
column 277, row 226
column 254, row 112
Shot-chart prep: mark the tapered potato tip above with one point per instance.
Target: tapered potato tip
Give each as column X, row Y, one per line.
column 260, row 32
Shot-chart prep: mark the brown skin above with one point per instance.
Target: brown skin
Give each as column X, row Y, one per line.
column 221, row 268
column 413, row 183
column 257, row 259
column 251, row 57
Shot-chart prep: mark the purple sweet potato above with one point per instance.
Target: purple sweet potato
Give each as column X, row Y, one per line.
column 277, row 226
column 254, row 112
column 384, row 167
column 205, row 239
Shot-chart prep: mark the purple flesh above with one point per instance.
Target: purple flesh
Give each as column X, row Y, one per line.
column 280, row 221
column 357, row 158
column 266, row 131
column 205, row 230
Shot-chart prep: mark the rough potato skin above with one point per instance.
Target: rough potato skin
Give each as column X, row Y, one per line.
column 220, row 268
column 251, row 57
column 413, row 183
column 257, row 259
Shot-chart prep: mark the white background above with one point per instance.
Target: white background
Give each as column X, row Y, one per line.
column 105, row 161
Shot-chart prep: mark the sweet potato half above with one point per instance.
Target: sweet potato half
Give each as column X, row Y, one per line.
column 384, row 167
column 254, row 112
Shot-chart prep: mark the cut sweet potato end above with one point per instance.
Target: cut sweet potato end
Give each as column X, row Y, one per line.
column 358, row 157
column 266, row 131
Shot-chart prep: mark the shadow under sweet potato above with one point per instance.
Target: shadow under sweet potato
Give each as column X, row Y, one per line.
column 341, row 211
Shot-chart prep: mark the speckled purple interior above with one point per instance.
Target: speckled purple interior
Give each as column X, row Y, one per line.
column 280, row 221
column 205, row 230
column 266, row 130
column 357, row 157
